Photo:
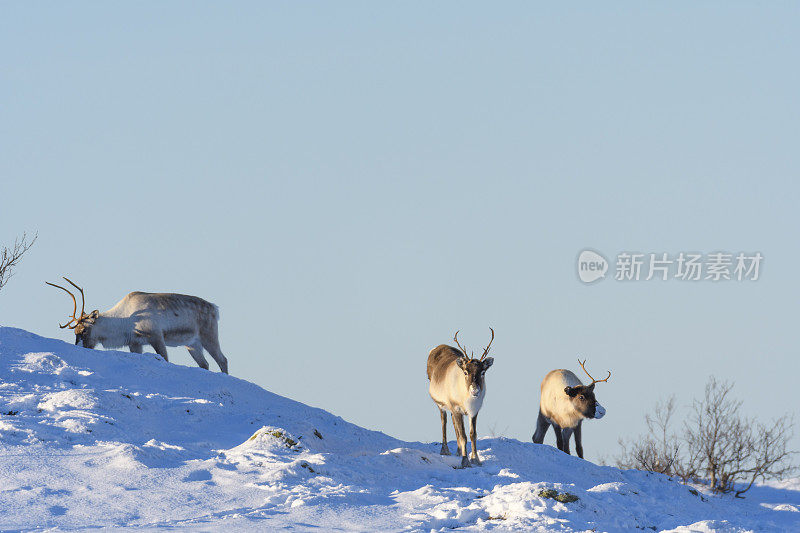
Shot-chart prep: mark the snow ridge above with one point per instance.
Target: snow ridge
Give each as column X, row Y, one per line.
column 94, row 438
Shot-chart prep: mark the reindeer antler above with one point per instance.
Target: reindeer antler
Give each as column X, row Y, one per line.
column 75, row 304
column 590, row 376
column 83, row 298
column 486, row 351
column 463, row 350
column 74, row 301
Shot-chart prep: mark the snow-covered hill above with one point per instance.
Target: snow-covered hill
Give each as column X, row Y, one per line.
column 114, row 439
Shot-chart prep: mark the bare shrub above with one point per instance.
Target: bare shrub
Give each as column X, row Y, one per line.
column 718, row 445
column 659, row 450
column 494, row 432
column 726, row 447
column 10, row 257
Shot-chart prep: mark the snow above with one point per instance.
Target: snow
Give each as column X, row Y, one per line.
column 92, row 438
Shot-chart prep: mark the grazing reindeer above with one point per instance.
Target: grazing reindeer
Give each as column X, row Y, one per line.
column 157, row 319
column 457, row 385
column 564, row 403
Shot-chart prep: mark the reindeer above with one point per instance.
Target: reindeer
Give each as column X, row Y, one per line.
column 157, row 319
column 564, row 403
column 457, row 385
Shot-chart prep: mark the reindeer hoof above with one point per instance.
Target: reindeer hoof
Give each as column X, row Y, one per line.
column 445, row 450
column 475, row 461
column 464, row 462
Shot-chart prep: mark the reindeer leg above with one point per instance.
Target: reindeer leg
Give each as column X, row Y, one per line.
column 567, row 432
column 578, row 440
column 559, row 436
column 210, row 342
column 458, row 423
column 445, row 449
column 473, row 437
column 196, row 351
column 542, row 425
column 158, row 345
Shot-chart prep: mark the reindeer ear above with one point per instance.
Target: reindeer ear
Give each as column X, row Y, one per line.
column 571, row 392
column 460, row 362
column 489, row 361
column 590, row 388
column 94, row 314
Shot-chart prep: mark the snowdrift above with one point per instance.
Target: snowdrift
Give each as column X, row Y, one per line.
column 93, row 438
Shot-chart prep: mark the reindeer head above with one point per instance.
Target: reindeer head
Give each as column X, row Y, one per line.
column 474, row 369
column 583, row 398
column 82, row 326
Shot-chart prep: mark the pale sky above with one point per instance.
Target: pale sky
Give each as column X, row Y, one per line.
column 352, row 183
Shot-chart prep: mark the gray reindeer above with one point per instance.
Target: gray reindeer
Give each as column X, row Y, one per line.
column 157, row 319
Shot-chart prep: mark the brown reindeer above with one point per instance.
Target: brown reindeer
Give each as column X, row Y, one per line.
column 457, row 385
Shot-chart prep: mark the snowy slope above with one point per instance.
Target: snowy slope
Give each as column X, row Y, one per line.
column 114, row 439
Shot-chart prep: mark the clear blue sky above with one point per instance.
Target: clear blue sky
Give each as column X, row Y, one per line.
column 352, row 183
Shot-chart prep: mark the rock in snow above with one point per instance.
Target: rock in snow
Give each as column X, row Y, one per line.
column 120, row 440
